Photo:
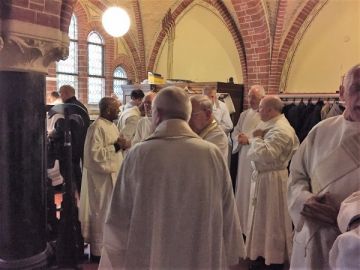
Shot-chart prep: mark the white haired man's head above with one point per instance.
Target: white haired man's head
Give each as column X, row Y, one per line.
column 256, row 93
column 350, row 92
column 170, row 103
column 201, row 115
column 270, row 107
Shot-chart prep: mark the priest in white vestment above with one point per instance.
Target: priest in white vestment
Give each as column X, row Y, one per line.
column 130, row 116
column 220, row 111
column 247, row 123
column 323, row 172
column 173, row 205
column 144, row 127
column 271, row 148
column 345, row 252
column 203, row 123
column 102, row 161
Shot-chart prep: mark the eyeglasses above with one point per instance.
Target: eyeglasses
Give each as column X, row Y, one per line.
column 196, row 113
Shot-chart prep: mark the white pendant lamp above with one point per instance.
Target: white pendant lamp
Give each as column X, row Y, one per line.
column 116, row 21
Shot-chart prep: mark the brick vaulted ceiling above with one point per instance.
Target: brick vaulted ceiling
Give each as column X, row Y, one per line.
column 264, row 31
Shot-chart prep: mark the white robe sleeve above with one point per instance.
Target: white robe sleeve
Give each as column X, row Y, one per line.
column 116, row 230
column 129, row 129
column 225, row 121
column 270, row 148
column 345, row 252
column 299, row 186
column 231, row 230
column 237, row 130
column 99, row 155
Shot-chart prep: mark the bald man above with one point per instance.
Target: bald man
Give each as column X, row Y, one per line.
column 247, row 123
column 272, row 145
column 203, row 123
column 67, row 94
column 173, row 205
column 102, row 161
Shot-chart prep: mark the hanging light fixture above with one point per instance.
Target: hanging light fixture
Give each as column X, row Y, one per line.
column 116, row 21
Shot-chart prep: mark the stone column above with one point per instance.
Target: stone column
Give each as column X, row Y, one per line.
column 26, row 51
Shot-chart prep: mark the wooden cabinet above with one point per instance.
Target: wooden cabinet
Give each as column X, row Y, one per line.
column 236, row 91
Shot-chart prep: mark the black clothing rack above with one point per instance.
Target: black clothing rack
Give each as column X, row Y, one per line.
column 309, row 97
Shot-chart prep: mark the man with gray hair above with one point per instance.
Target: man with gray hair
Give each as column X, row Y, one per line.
column 173, row 205
column 323, row 172
column 247, row 123
column 220, row 111
column 272, row 145
column 203, row 123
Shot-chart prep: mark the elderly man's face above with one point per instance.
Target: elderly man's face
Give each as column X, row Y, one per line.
column 254, row 98
column 263, row 111
column 212, row 96
column 352, row 101
column 199, row 118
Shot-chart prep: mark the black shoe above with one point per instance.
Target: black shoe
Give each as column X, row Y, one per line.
column 95, row 259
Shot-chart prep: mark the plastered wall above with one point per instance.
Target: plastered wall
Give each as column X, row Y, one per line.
column 329, row 47
column 203, row 49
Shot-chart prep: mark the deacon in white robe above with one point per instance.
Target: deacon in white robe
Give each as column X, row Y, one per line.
column 323, row 172
column 171, row 208
column 271, row 148
column 203, row 123
column 220, row 111
column 144, row 127
column 345, row 251
column 247, row 123
column 128, row 121
column 102, row 161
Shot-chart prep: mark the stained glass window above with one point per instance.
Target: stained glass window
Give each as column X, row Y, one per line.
column 96, row 80
column 120, row 78
column 67, row 70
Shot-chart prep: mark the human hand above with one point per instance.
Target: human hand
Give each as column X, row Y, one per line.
column 124, row 144
column 321, row 208
column 259, row 133
column 243, row 139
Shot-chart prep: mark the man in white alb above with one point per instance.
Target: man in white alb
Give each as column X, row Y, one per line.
column 144, row 127
column 203, row 123
column 102, row 161
column 220, row 111
column 323, row 172
column 130, row 116
column 171, row 208
column 247, row 123
column 271, row 147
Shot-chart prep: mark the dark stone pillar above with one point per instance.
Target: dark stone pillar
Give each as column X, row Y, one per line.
column 23, row 242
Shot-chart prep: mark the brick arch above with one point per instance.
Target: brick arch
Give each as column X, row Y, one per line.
column 67, row 7
column 225, row 15
column 294, row 36
column 256, row 36
column 275, row 66
column 126, row 63
column 140, row 33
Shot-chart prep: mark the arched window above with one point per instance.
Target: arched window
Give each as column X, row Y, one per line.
column 67, row 70
column 120, row 78
column 96, row 80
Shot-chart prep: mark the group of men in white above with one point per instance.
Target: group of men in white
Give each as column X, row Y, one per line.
column 157, row 194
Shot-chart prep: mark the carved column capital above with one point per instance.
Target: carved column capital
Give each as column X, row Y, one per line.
column 30, row 47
